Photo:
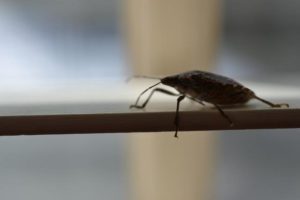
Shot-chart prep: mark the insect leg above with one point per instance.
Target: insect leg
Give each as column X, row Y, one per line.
column 137, row 100
column 224, row 115
column 270, row 103
column 149, row 97
column 176, row 122
column 196, row 100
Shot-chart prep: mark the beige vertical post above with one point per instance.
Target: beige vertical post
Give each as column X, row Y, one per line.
column 167, row 37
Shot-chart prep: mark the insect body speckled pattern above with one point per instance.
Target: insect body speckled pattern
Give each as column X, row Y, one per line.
column 202, row 87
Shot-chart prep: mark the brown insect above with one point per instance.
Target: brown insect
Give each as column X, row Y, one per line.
column 202, row 87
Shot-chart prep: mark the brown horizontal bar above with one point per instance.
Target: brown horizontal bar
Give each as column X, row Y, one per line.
column 147, row 122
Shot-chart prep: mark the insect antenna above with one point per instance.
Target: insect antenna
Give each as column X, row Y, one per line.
column 147, row 77
column 141, row 76
column 145, row 92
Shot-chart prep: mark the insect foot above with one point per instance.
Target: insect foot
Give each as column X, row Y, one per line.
column 136, row 106
column 281, row 105
column 132, row 106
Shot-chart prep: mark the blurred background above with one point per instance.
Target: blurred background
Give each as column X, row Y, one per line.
column 70, row 42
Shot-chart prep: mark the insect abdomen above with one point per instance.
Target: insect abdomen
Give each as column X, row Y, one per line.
column 226, row 94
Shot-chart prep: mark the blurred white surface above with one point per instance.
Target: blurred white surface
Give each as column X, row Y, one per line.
column 42, row 53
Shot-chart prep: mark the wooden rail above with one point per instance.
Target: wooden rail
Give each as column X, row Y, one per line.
column 147, row 122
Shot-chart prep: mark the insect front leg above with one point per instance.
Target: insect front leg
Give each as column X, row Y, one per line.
column 161, row 90
column 176, row 121
column 224, row 114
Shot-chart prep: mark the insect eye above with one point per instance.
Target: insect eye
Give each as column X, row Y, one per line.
column 170, row 81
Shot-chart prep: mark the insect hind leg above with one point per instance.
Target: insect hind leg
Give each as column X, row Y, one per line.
column 196, row 100
column 224, row 115
column 271, row 104
column 219, row 109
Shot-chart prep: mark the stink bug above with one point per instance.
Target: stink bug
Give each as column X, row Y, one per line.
column 202, row 87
